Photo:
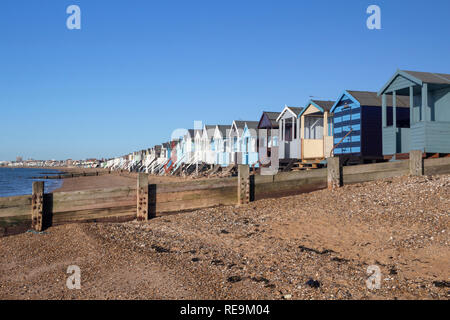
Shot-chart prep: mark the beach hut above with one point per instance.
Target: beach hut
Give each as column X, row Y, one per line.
column 189, row 151
column 357, row 125
column 426, row 126
column 148, row 160
column 198, row 146
column 208, row 152
column 289, row 126
column 235, row 136
column 163, row 159
column 222, row 157
column 189, row 146
column 269, row 125
column 156, row 153
column 174, row 156
column 316, row 132
column 249, row 144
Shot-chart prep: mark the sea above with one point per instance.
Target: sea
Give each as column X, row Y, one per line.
column 19, row 181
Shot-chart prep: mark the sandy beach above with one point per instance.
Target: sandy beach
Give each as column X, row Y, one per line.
column 311, row 246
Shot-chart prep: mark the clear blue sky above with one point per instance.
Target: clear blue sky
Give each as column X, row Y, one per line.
column 139, row 69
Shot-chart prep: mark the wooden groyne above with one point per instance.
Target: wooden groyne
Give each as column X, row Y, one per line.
column 73, row 175
column 146, row 201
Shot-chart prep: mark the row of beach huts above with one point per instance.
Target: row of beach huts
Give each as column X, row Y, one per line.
column 410, row 112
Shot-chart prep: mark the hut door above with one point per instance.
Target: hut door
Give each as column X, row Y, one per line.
column 287, row 154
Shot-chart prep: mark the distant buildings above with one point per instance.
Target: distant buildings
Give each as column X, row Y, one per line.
column 89, row 163
column 4, row 163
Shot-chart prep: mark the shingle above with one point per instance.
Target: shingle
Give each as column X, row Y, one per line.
column 430, row 77
column 252, row 124
column 272, row 116
column 368, row 98
column 296, row 110
column 223, row 129
column 240, row 124
column 324, row 104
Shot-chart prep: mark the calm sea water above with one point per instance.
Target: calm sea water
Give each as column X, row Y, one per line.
column 18, row 181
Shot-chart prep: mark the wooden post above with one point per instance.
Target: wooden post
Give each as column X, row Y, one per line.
column 334, row 172
column 152, row 200
column 416, row 163
column 411, row 105
column 243, row 184
column 424, row 109
column 37, row 206
column 142, row 197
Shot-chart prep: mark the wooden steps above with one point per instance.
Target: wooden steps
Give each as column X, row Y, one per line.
column 307, row 165
column 286, row 165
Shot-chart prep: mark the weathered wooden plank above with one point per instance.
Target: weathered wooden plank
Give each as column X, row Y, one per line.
column 377, row 167
column 436, row 170
column 15, row 220
column 229, row 198
column 299, row 175
column 23, row 210
column 8, row 202
column 107, row 203
column 94, row 194
column 263, row 179
column 196, row 185
column 436, row 162
column 288, row 187
column 371, row 176
column 93, row 214
column 437, row 166
column 216, row 194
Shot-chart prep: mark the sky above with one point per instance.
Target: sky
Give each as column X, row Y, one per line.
column 137, row 70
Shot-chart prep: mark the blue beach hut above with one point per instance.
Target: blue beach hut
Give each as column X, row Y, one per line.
column 249, row 144
column 357, row 125
column 427, row 125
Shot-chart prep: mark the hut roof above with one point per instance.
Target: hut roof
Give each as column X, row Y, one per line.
column 326, row 105
column 430, row 77
column 368, row 98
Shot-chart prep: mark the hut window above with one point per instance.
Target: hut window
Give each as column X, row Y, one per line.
column 313, row 128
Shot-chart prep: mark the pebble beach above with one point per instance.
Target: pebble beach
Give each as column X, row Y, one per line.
column 317, row 245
